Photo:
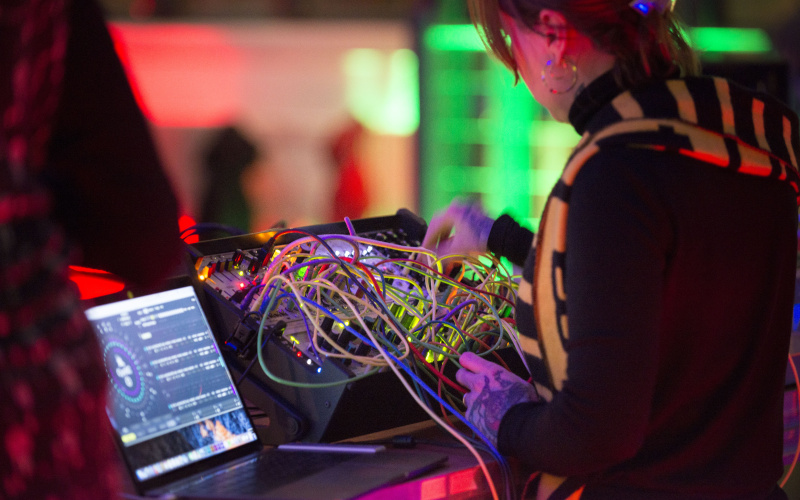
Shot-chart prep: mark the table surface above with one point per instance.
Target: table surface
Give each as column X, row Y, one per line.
column 460, row 478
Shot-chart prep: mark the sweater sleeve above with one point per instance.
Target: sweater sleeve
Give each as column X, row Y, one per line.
column 615, row 259
column 508, row 239
column 111, row 192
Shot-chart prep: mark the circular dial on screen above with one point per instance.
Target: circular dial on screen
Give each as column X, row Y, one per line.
column 132, row 387
column 126, row 376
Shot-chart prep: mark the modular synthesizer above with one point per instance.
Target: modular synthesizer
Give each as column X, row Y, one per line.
column 314, row 322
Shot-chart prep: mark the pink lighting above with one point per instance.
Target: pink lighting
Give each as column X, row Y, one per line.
column 183, row 75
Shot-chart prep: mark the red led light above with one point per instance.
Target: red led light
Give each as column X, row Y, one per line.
column 94, row 282
column 185, row 222
column 299, row 354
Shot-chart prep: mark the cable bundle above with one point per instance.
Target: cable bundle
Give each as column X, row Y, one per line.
column 402, row 312
column 407, row 304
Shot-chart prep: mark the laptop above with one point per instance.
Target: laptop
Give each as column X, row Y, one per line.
column 183, row 430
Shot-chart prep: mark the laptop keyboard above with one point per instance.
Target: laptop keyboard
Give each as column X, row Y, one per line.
column 269, row 470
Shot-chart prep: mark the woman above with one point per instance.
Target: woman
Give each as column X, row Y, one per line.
column 656, row 300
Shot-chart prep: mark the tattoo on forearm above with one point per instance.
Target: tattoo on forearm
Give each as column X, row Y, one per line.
column 492, row 403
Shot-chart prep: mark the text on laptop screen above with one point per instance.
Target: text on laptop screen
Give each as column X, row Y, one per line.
column 171, row 398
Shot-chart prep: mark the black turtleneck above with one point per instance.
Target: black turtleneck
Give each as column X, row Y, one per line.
column 593, row 97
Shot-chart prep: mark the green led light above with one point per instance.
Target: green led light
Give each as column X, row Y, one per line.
column 740, row 40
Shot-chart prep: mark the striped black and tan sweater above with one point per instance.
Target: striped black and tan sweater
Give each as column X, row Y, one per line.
column 656, row 308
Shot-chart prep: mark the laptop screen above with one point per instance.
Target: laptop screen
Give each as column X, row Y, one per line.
column 171, row 398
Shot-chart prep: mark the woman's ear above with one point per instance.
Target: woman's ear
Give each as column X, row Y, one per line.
column 554, row 28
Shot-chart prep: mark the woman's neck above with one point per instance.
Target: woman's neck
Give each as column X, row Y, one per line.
column 591, row 64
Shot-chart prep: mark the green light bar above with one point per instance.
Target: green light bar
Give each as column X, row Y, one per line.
column 730, row 40
column 464, row 37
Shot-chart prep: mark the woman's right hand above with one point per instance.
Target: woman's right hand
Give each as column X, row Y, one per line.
column 462, row 229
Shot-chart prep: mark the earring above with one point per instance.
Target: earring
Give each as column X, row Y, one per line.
column 559, row 77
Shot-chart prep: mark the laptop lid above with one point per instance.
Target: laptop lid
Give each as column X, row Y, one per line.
column 172, row 402
column 181, row 425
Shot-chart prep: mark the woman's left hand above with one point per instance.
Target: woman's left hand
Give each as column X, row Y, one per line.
column 492, row 391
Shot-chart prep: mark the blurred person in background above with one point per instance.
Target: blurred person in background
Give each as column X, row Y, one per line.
column 350, row 197
column 228, row 160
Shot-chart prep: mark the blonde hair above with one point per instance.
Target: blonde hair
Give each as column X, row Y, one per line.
column 646, row 47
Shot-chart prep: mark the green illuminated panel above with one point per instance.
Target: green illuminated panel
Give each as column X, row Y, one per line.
column 452, row 37
column 455, row 179
column 512, row 112
column 476, row 127
column 454, row 82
